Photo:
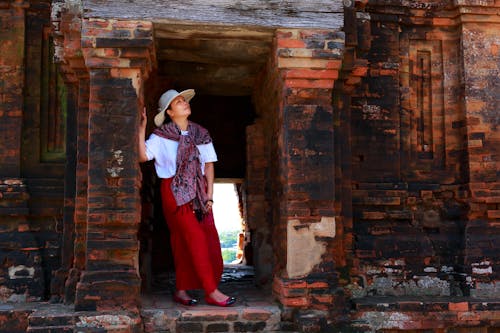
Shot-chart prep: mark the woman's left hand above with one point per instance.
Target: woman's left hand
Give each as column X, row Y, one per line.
column 209, row 205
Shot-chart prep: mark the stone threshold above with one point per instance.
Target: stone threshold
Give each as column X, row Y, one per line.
column 374, row 313
column 43, row 317
column 253, row 317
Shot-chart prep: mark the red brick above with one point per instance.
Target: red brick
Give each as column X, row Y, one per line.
column 374, row 215
column 334, row 64
column 462, row 306
column 291, row 43
column 98, row 23
column 494, row 214
column 360, row 71
column 327, row 299
column 294, row 301
column 256, row 314
column 298, row 83
column 212, row 314
column 318, row 285
column 443, row 21
column 311, row 74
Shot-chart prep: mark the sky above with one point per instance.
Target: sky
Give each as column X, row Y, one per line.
column 226, row 213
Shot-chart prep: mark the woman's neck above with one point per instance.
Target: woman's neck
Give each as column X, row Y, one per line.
column 182, row 123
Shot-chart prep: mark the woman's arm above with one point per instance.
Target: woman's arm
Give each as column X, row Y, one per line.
column 209, row 175
column 142, row 137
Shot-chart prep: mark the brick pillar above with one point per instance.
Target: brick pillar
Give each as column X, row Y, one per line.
column 308, row 63
column 118, row 57
column 67, row 40
column 481, row 54
column 11, row 89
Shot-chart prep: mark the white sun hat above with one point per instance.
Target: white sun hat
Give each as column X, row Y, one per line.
column 165, row 101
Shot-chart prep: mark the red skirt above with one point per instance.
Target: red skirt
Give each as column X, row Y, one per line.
column 195, row 245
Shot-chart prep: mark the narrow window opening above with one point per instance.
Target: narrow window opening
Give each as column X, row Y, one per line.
column 424, row 104
column 229, row 221
column 53, row 109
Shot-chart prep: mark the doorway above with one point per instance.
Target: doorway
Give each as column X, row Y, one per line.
column 223, row 68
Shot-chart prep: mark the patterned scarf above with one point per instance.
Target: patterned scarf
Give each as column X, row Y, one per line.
column 188, row 184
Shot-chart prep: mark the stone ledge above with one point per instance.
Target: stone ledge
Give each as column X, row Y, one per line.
column 45, row 317
column 443, row 303
column 424, row 313
column 205, row 318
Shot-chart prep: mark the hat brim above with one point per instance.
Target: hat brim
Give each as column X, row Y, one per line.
column 188, row 94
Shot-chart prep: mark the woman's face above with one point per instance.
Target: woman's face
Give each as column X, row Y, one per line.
column 179, row 108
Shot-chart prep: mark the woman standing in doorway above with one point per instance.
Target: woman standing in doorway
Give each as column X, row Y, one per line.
column 184, row 157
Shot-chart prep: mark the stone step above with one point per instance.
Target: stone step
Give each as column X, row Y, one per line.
column 205, row 318
column 50, row 329
column 52, row 315
column 49, row 320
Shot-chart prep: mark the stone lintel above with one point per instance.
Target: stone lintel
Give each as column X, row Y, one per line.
column 313, row 13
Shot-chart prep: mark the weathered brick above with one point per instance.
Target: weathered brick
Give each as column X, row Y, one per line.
column 298, row 83
column 459, row 307
column 311, row 74
column 291, row 43
column 184, row 327
column 411, row 122
column 210, row 315
column 294, row 301
column 248, row 326
column 256, row 314
column 218, row 327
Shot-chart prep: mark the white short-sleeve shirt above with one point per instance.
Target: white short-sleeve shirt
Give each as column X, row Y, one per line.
column 164, row 152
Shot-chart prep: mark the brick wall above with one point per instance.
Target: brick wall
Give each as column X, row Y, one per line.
column 410, row 161
column 31, row 191
column 410, row 166
column 481, row 55
column 12, row 32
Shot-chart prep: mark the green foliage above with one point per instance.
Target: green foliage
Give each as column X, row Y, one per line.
column 228, row 243
column 228, row 255
column 228, row 239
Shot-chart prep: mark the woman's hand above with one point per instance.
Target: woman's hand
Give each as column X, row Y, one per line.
column 144, row 120
column 209, row 204
column 141, row 137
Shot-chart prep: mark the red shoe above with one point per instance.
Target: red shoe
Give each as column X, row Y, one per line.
column 228, row 302
column 183, row 301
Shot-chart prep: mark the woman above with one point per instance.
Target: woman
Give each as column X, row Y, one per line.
column 184, row 156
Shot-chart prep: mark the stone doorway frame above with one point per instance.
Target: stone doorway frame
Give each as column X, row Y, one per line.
column 107, row 73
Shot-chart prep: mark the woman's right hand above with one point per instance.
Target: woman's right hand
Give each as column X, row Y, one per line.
column 142, row 132
column 144, row 119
